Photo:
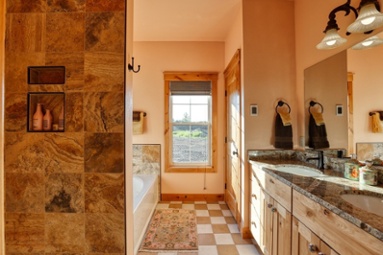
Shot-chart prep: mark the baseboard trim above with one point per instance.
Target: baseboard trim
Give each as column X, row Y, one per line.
column 192, row 197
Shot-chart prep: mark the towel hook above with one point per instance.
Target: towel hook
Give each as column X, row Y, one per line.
column 313, row 103
column 131, row 67
column 280, row 104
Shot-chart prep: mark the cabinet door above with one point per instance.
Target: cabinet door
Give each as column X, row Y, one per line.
column 305, row 242
column 281, row 230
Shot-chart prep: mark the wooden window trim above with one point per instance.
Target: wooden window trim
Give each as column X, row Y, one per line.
column 192, row 76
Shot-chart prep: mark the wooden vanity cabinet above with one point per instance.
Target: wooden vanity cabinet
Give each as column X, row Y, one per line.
column 342, row 236
column 270, row 215
column 305, row 242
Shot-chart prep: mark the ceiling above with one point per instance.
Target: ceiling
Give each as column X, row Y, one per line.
column 183, row 20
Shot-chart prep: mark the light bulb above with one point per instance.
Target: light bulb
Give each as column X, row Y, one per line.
column 367, row 21
column 367, row 43
column 330, row 43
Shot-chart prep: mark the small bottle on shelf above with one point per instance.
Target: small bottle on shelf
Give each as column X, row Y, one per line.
column 61, row 119
column 37, row 124
column 47, row 121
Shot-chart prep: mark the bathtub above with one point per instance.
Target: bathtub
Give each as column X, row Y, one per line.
column 145, row 199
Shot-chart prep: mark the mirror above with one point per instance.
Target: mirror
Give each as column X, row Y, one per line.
column 357, row 94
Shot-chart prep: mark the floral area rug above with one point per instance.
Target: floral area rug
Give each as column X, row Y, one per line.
column 171, row 229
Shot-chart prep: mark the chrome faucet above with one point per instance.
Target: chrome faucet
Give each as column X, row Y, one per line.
column 320, row 160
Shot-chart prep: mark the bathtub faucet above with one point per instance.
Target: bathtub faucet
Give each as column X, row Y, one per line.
column 320, row 160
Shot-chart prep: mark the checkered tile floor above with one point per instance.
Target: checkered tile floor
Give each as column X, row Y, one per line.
column 218, row 232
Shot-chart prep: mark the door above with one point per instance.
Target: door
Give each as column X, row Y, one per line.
column 233, row 137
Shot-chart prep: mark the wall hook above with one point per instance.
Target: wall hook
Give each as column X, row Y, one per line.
column 131, row 67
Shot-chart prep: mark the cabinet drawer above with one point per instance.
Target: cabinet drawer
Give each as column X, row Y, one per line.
column 255, row 225
column 275, row 188
column 339, row 234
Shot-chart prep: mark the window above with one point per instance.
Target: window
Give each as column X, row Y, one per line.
column 190, row 124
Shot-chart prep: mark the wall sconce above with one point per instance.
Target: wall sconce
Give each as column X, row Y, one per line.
column 368, row 43
column 369, row 19
column 332, row 39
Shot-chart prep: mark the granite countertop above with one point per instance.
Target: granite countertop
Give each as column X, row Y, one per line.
column 326, row 190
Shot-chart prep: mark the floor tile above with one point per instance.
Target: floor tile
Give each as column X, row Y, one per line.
column 213, row 213
column 206, row 239
column 227, row 250
column 226, row 213
column 207, row 250
column 233, row 228
column 218, row 220
column 247, row 249
column 202, row 213
column 203, row 220
column 220, row 228
column 223, row 239
column 204, row 228
column 213, row 207
column 239, row 240
column 188, row 206
column 162, row 206
column 200, row 206
column 176, row 206
column 230, row 220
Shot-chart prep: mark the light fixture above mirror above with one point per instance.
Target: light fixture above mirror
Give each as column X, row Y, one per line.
column 369, row 19
column 370, row 42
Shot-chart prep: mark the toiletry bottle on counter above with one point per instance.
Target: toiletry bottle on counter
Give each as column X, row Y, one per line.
column 367, row 175
column 351, row 168
column 37, row 124
column 47, row 121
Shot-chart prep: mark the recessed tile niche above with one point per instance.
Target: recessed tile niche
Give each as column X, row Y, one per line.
column 46, row 75
column 53, row 102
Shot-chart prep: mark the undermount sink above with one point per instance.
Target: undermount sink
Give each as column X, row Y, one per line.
column 299, row 170
column 364, row 202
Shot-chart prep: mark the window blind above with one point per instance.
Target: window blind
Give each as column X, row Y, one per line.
column 190, row 88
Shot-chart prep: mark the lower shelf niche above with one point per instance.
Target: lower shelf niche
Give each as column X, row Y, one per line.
column 46, row 112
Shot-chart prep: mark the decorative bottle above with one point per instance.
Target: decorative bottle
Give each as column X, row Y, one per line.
column 37, row 124
column 61, row 119
column 47, row 124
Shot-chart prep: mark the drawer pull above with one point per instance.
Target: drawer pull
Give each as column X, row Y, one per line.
column 253, row 223
column 254, row 196
column 312, row 247
column 325, row 212
column 271, row 180
column 321, row 253
column 273, row 209
column 269, row 205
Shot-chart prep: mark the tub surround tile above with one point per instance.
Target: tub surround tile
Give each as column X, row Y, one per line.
column 74, row 112
column 104, row 112
column 24, row 233
column 74, row 69
column 104, row 193
column 64, row 193
column 105, row 31
column 66, row 5
column 101, row 5
column 25, row 192
column 104, row 71
column 64, row 152
column 64, row 232
column 15, row 114
column 22, row 151
column 105, row 233
column 66, row 32
column 25, row 32
column 105, row 152
column 146, row 159
column 26, row 6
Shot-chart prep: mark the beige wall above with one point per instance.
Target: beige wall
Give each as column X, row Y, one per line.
column 148, row 96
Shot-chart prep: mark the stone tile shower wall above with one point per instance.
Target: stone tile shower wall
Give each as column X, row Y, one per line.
column 64, row 192
column 147, row 159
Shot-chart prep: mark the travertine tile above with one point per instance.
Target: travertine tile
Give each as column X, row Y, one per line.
column 104, row 152
column 74, row 69
column 17, row 67
column 101, row 5
column 206, row 239
column 66, row 5
column 104, row 193
column 26, row 6
column 24, row 233
column 15, row 118
column 105, row 31
column 64, row 232
column 22, row 151
column 105, row 233
column 64, row 152
column 227, row 250
column 104, row 72
column 25, row 32
column 64, row 193
column 66, row 32
column 24, row 193
column 74, row 112
column 104, row 112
